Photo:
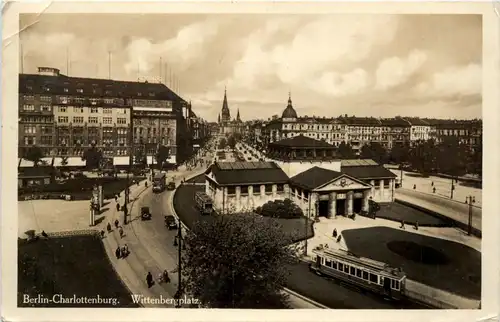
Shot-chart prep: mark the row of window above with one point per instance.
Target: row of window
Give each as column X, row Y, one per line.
column 268, row 188
column 31, row 108
column 358, row 272
column 93, row 110
column 91, row 120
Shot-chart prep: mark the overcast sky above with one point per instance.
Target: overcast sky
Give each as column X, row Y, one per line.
column 363, row 65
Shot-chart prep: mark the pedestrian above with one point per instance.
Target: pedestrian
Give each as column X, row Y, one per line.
column 116, row 198
column 402, row 224
column 339, row 238
column 118, row 252
column 149, row 279
column 166, row 278
column 414, row 187
column 416, row 225
column 117, row 207
column 146, row 184
column 335, row 233
column 434, row 190
column 126, row 249
column 432, row 183
column 117, row 223
column 108, row 227
column 120, row 230
column 102, row 233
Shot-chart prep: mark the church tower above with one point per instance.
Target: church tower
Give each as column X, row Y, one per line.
column 238, row 119
column 225, row 115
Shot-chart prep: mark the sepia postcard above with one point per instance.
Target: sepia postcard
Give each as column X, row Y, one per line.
column 250, row 161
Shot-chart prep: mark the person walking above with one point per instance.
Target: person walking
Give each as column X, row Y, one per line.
column 117, row 223
column 118, row 252
column 108, row 227
column 120, row 230
column 402, row 224
column 149, row 279
column 117, row 206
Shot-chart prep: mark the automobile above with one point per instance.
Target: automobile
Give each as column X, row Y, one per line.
column 170, row 222
column 171, row 185
column 145, row 213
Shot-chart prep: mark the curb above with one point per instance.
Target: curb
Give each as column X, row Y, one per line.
column 305, row 299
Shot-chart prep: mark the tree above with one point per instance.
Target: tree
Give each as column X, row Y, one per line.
column 423, row 157
column 452, row 157
column 238, row 261
column 222, row 143
column 280, row 209
column 92, row 157
column 231, row 142
column 374, row 151
column 399, row 153
column 345, row 151
column 64, row 161
column 139, row 156
column 34, row 154
column 162, row 155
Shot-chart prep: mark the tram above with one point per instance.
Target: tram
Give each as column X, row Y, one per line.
column 361, row 272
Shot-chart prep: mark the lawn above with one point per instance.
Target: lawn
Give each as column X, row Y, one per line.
column 436, row 262
column 397, row 212
column 70, row 266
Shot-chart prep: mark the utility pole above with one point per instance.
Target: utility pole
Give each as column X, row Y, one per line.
column 401, row 177
column 452, row 188
column 179, row 270
column 470, row 200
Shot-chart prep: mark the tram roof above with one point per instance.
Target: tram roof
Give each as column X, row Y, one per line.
column 363, row 261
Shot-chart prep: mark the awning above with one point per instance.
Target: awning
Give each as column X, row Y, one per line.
column 26, row 163
column 121, row 160
column 171, row 159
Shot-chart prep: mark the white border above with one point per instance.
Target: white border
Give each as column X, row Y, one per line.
column 491, row 120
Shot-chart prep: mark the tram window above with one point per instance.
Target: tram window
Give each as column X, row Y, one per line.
column 341, row 267
column 358, row 273
column 353, row 270
column 346, row 269
column 328, row 263
column 334, row 264
column 365, row 275
column 373, row 278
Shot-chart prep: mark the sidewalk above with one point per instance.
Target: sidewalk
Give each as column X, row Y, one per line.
column 442, row 185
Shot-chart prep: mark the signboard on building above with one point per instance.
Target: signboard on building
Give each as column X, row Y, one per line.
column 341, row 196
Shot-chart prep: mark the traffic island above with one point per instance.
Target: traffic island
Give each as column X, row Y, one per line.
column 438, row 263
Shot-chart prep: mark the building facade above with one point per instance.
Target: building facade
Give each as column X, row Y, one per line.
column 64, row 115
column 358, row 131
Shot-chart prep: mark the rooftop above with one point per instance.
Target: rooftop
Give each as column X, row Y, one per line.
column 415, row 121
column 235, row 173
column 367, row 172
column 65, row 85
column 314, row 177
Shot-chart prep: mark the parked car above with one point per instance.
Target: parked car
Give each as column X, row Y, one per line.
column 170, row 222
column 145, row 213
column 171, row 185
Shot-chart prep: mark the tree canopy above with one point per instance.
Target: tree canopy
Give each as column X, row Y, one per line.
column 399, row 153
column 345, row 151
column 92, row 157
column 280, row 209
column 238, row 261
column 222, row 143
column 140, row 156
column 374, row 151
column 162, row 155
column 34, row 154
column 231, row 141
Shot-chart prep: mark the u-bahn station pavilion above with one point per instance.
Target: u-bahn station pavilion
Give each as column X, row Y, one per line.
column 304, row 170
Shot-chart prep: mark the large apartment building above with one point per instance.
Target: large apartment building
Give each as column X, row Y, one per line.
column 359, row 131
column 65, row 115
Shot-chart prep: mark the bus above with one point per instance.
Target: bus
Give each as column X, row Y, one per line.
column 203, row 203
column 364, row 273
column 159, row 182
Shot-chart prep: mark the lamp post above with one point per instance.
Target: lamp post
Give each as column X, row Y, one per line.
column 470, row 200
column 452, row 188
column 179, row 264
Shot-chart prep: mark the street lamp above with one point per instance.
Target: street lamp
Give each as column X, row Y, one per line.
column 470, row 200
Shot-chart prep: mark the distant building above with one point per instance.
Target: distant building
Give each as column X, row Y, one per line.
column 65, row 115
column 226, row 125
column 420, row 130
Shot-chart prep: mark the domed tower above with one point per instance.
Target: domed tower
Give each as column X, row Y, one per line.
column 225, row 115
column 289, row 114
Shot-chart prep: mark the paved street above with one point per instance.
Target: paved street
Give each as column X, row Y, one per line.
column 442, row 185
column 455, row 210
